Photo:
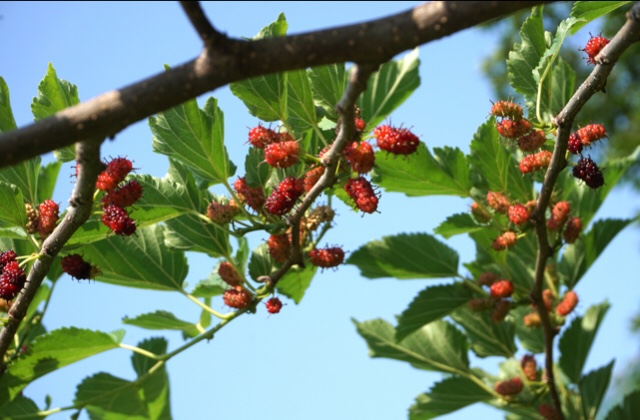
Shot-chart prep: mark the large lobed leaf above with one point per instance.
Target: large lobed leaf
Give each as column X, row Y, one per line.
column 421, row 174
column 628, row 409
column 389, row 87
column 576, row 341
column 593, row 386
column 581, row 255
column 52, row 351
column 438, row 346
column 446, row 396
column 497, row 165
column 162, row 320
column 54, row 95
column 587, row 11
column 486, row 337
column 406, row 256
column 140, row 260
column 431, row 304
column 194, row 137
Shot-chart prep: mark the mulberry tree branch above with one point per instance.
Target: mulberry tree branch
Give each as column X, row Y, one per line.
column 358, row 78
column 606, row 59
column 81, row 201
column 225, row 60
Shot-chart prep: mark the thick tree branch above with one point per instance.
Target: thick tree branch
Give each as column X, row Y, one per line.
column 626, row 36
column 231, row 60
column 81, row 201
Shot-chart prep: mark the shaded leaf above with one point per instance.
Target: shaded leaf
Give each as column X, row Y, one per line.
column 576, row 341
column 531, row 338
column 497, row 165
column 21, row 408
column 457, row 224
column 257, row 170
column 296, row 282
column 12, row 210
column 7, row 121
column 446, row 396
column 328, row 83
column 526, row 56
column 162, row 320
column 487, row 338
column 431, row 304
column 195, row 137
column 422, row 174
column 389, row 87
column 438, row 346
column 52, row 351
column 155, row 388
column 406, row 256
column 586, row 11
column 579, row 257
column 54, row 95
column 629, row 408
column 301, row 112
column 210, row 287
column 140, row 260
column 260, row 262
column 110, row 398
column 593, row 387
column 47, row 177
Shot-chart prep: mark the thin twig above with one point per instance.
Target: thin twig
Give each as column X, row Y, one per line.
column 81, row 201
column 627, row 35
column 202, row 25
column 359, row 76
column 375, row 42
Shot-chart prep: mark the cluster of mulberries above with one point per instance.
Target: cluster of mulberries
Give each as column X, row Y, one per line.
column 12, row 277
column 499, row 302
column 562, row 308
column 118, row 197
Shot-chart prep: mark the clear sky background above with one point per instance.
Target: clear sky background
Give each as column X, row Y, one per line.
column 308, row 361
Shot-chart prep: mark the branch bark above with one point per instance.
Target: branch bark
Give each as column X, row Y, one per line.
column 225, row 60
column 626, row 36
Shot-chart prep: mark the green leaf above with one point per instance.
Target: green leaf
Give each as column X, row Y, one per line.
column 328, row 83
column 49, row 352
column 190, row 233
column 389, row 87
column 579, row 257
column 438, row 346
column 25, row 176
column 422, row 174
column 301, row 111
column 563, row 79
column 162, row 320
column 576, row 341
column 47, row 177
column 487, row 338
column 12, row 211
column 155, row 388
column 257, row 170
column 497, row 164
column 587, row 11
column 629, row 408
column 406, row 256
column 260, row 262
column 296, row 282
column 107, row 397
column 457, row 224
column 195, row 137
column 265, row 96
column 7, row 121
column 526, row 56
column 593, row 386
column 54, row 95
column 21, row 408
column 431, row 304
column 531, row 338
column 447, row 396
column 210, row 287
column 164, row 198
column 140, row 260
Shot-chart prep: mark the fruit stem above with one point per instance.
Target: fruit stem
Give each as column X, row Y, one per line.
column 139, row 351
column 207, row 308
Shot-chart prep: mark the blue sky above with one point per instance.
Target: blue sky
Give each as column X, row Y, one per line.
column 306, row 362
